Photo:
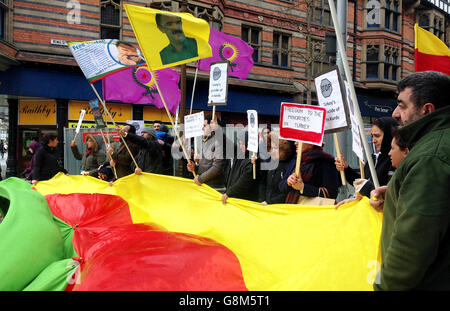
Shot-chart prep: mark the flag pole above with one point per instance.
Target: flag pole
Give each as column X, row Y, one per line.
column 193, row 88
column 105, row 140
column 352, row 92
column 170, row 118
column 299, row 159
column 107, row 111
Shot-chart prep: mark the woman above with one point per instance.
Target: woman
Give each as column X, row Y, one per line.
column 239, row 180
column 46, row 162
column 33, row 146
column 318, row 176
column 399, row 150
column 381, row 138
column 121, row 158
column 92, row 158
column 269, row 193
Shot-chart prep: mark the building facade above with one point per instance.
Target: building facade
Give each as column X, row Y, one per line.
column 293, row 41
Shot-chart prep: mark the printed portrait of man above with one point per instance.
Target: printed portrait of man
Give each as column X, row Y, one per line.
column 180, row 46
column 128, row 54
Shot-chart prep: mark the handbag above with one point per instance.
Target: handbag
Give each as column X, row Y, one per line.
column 304, row 200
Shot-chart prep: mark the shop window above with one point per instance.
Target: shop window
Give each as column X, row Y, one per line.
column 281, row 46
column 110, row 19
column 252, row 36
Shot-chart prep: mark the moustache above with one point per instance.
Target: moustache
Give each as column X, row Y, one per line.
column 177, row 31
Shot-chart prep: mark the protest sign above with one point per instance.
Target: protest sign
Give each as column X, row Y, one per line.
column 97, row 113
column 330, row 96
column 253, row 139
column 218, row 84
column 357, row 146
column 193, row 125
column 138, row 124
column 304, row 123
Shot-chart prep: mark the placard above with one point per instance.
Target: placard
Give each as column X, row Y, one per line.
column 80, row 121
column 193, row 125
column 97, row 113
column 357, row 146
column 218, row 84
column 253, row 139
column 303, row 123
column 331, row 97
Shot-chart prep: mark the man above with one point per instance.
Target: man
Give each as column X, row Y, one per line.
column 128, row 54
column 149, row 158
column 415, row 239
column 157, row 125
column 210, row 166
column 180, row 46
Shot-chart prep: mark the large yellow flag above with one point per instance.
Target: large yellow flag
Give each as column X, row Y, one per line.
column 279, row 247
column 168, row 39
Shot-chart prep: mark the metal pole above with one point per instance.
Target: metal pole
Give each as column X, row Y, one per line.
column 353, row 93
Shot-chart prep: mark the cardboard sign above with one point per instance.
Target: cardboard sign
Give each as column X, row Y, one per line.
column 193, row 124
column 253, row 140
column 303, row 123
column 218, row 84
column 97, row 114
column 330, row 96
column 357, row 146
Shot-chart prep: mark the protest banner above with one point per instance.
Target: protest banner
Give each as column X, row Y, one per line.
column 302, row 123
column 193, row 127
column 218, row 85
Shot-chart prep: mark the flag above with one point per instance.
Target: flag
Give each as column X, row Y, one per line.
column 100, row 58
column 292, row 247
column 430, row 52
column 168, row 39
column 235, row 50
column 136, row 85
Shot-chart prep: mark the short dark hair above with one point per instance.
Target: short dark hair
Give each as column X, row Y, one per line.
column 398, row 139
column 47, row 137
column 427, row 87
column 159, row 15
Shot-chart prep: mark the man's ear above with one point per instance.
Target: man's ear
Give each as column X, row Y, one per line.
column 428, row 108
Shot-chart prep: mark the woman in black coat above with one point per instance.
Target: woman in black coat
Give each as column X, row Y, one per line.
column 46, row 161
column 381, row 138
column 269, row 193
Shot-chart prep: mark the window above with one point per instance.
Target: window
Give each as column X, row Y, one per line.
column 384, row 13
column 110, row 19
column 320, row 59
column 281, row 46
column 432, row 22
column 4, row 18
column 251, row 35
column 322, row 14
column 382, row 63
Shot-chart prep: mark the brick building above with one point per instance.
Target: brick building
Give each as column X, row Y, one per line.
column 293, row 41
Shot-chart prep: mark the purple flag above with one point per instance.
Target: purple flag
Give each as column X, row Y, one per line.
column 235, row 50
column 135, row 85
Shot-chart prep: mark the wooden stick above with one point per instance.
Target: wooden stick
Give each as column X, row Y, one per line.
column 107, row 111
column 195, row 147
column 109, row 143
column 254, row 167
column 171, row 119
column 213, row 112
column 361, row 168
column 339, row 154
column 299, row 159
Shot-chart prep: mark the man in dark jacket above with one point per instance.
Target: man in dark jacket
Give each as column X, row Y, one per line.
column 415, row 238
column 149, row 158
column 46, row 162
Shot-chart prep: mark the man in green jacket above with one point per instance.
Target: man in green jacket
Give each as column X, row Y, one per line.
column 415, row 238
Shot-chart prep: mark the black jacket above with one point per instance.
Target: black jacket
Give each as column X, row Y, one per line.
column 269, row 190
column 240, row 182
column 149, row 157
column 46, row 163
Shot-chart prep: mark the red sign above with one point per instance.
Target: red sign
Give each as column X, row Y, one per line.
column 114, row 134
column 303, row 123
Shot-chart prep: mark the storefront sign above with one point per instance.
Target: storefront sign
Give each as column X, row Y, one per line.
column 119, row 112
column 38, row 112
